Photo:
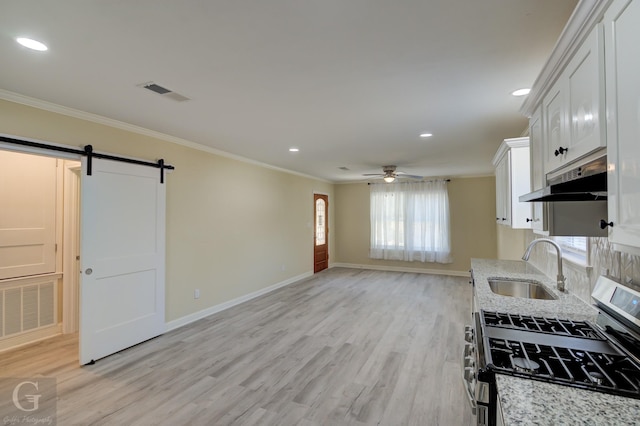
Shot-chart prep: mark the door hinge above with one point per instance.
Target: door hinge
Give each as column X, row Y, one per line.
column 56, row 245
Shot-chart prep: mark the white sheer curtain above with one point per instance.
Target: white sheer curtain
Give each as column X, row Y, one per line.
column 410, row 221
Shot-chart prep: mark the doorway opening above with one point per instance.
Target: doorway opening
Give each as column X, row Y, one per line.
column 39, row 241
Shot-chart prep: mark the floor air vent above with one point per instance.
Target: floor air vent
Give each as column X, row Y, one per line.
column 167, row 93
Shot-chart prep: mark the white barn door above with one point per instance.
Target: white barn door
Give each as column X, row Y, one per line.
column 122, row 290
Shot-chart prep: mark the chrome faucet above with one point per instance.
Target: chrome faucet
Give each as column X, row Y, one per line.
column 560, row 279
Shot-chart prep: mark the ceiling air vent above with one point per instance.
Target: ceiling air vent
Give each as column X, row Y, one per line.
column 156, row 88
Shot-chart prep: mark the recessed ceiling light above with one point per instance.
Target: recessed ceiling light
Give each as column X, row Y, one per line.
column 32, row 44
column 426, row 135
column 521, row 92
column 294, row 149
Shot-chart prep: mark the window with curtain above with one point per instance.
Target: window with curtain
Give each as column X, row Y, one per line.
column 410, row 222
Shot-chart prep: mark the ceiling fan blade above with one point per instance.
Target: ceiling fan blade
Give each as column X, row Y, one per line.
column 405, row 175
column 373, row 174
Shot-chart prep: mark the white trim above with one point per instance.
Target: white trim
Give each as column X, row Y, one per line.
column 188, row 319
column 401, row 269
column 507, row 144
column 70, row 247
column 95, row 118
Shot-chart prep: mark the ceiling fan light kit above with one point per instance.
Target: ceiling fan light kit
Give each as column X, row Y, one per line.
column 389, row 174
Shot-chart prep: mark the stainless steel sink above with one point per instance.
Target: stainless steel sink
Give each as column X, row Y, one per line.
column 520, row 288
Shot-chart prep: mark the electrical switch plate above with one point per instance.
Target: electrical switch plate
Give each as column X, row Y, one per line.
column 196, row 293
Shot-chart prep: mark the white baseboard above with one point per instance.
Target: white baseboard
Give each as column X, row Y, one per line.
column 188, row 319
column 402, row 269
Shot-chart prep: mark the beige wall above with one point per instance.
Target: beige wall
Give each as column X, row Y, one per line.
column 512, row 243
column 473, row 227
column 231, row 226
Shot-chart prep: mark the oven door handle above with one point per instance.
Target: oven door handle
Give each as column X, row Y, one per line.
column 467, row 386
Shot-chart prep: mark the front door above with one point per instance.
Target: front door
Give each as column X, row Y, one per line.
column 122, row 295
column 321, row 232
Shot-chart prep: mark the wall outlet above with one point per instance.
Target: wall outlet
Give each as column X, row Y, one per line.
column 196, row 293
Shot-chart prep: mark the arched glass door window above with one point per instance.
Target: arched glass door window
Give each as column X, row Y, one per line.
column 321, row 210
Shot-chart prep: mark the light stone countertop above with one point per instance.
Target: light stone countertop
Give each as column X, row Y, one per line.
column 567, row 306
column 531, row 402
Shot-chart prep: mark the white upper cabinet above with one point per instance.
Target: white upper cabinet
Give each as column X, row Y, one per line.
column 585, row 75
column 572, row 119
column 503, row 212
column 555, row 126
column 537, row 169
column 622, row 36
column 512, row 180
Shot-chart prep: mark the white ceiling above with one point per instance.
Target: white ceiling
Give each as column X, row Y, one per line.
column 352, row 83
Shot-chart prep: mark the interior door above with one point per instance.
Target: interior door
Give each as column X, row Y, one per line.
column 122, row 294
column 27, row 215
column 321, row 232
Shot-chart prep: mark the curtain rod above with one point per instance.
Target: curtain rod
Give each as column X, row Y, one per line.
column 385, row 183
column 88, row 152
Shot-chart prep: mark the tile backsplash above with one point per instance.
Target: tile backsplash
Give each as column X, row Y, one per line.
column 623, row 267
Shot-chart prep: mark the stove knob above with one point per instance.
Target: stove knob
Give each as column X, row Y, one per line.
column 469, row 361
column 469, row 374
column 469, row 350
column 468, row 334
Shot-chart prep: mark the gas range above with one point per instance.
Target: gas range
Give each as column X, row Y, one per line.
column 578, row 355
column 602, row 357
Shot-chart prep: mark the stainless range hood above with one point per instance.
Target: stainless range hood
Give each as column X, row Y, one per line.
column 587, row 182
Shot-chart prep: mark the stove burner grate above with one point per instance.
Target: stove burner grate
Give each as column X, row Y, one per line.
column 544, row 325
column 609, row 373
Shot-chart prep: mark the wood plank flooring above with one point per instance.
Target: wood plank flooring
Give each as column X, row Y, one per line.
column 344, row 347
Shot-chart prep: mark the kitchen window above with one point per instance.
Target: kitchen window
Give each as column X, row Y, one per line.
column 575, row 249
column 410, row 222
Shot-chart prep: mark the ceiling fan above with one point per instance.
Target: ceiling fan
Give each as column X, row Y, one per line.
column 389, row 174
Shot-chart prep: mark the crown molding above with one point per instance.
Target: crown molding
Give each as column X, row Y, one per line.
column 99, row 119
column 583, row 19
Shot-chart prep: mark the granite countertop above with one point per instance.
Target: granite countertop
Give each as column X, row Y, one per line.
column 567, row 305
column 531, row 402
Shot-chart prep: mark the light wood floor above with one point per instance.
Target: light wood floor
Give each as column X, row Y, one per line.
column 345, row 347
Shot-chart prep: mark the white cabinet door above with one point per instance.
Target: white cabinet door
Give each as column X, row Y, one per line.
column 123, row 255
column 585, row 98
column 572, row 120
column 554, row 115
column 511, row 164
column 27, row 215
column 519, row 184
column 622, row 35
column 503, row 212
column 538, row 219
